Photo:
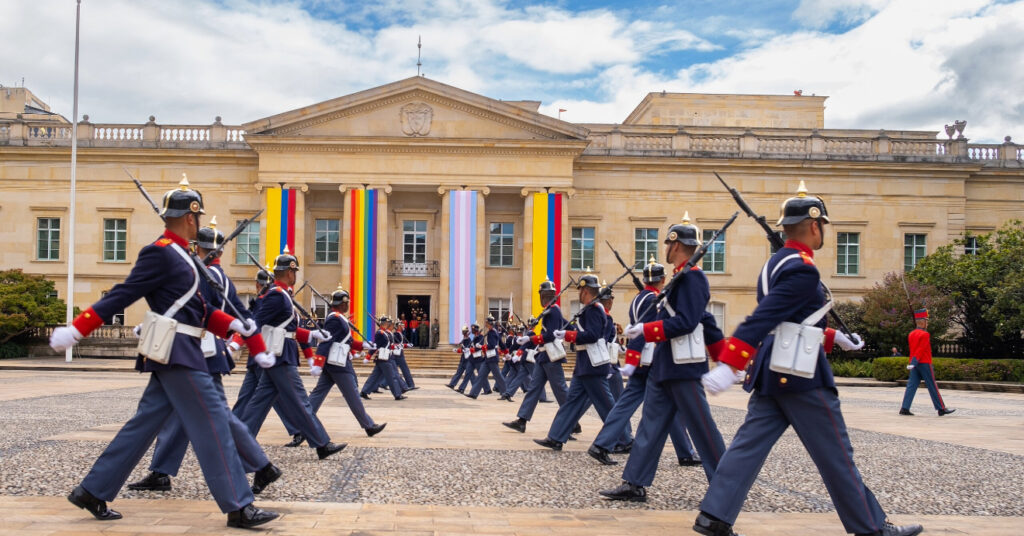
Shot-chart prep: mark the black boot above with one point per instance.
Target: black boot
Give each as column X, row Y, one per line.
column 548, row 443
column 626, row 492
column 622, row 449
column 154, row 481
column 945, row 411
column 375, row 429
column 364, row 396
column 518, row 425
column 601, row 455
column 83, row 499
column 264, row 477
column 712, row 527
column 578, row 429
column 689, row 462
column 330, row 448
column 892, row 530
column 297, row 440
column 249, row 516
column 905, row 411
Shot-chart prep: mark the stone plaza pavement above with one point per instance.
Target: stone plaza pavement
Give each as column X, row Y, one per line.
column 445, row 465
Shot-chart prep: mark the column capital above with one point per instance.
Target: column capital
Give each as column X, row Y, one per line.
column 569, row 192
column 297, row 186
column 443, row 189
column 525, row 192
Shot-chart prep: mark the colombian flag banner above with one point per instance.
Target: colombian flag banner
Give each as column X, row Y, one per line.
column 462, row 268
column 280, row 222
column 362, row 214
column 547, row 243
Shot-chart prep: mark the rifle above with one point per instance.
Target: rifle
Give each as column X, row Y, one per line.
column 605, row 291
column 200, row 266
column 238, row 229
column 910, row 303
column 777, row 242
column 636, row 280
column 555, row 300
column 302, row 311
column 350, row 324
column 694, row 259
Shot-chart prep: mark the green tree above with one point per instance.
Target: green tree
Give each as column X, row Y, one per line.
column 987, row 288
column 27, row 301
column 888, row 311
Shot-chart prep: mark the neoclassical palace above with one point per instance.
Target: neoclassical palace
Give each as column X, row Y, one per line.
column 419, row 196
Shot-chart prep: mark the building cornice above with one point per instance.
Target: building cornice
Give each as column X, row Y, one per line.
column 391, row 145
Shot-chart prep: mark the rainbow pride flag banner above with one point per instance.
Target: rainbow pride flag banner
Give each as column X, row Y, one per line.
column 362, row 286
column 547, row 244
column 462, row 266
column 280, row 222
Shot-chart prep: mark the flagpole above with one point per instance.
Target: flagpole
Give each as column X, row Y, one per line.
column 74, row 164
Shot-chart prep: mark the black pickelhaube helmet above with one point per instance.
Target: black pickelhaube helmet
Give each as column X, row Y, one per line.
column 684, row 233
column 264, row 277
column 182, row 200
column 588, row 280
column 476, row 327
column 653, row 272
column 547, row 285
column 286, row 261
column 384, row 319
column 339, row 297
column 209, row 237
column 490, row 319
column 465, row 329
column 607, row 292
column 801, row 207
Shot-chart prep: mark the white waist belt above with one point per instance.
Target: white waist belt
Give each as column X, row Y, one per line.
column 289, row 335
column 191, row 331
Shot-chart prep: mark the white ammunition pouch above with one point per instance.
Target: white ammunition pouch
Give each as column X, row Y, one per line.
column 491, row 353
column 466, row 353
column 687, row 349
column 531, row 355
column 598, row 353
column 339, row 352
column 555, row 350
column 797, row 346
column 208, row 344
column 614, row 351
column 477, row 353
column 647, row 354
column 156, row 336
column 383, row 353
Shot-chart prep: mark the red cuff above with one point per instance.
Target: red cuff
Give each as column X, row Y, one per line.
column 654, row 331
column 237, row 339
column 484, row 347
column 537, row 339
column 570, row 336
column 830, row 339
column 87, row 321
column 633, row 358
column 356, row 345
column 715, row 348
column 319, row 360
column 308, row 352
column 302, row 335
column 219, row 323
column 256, row 344
column 736, row 353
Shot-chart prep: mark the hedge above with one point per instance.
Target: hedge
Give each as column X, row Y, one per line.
column 950, row 369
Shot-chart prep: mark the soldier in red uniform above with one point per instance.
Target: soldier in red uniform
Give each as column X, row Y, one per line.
column 921, row 366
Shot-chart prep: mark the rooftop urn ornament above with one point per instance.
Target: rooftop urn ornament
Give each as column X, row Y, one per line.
column 959, row 125
column 950, row 129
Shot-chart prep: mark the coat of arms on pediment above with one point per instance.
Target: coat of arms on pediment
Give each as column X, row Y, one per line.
column 416, row 118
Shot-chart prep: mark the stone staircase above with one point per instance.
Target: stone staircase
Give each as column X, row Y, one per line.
column 443, row 358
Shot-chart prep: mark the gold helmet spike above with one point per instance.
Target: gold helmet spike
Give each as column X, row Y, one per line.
column 652, row 260
column 801, row 190
column 285, row 251
column 339, row 288
column 587, row 270
column 686, row 217
column 213, row 222
column 183, row 185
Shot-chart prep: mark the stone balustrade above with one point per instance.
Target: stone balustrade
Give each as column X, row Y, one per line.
column 147, row 135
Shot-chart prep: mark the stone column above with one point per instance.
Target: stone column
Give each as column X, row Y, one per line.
column 481, row 252
column 346, row 234
column 528, row 290
column 443, row 265
column 382, row 249
column 299, row 191
column 567, row 193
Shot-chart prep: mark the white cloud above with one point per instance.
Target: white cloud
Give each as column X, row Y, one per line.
column 820, row 13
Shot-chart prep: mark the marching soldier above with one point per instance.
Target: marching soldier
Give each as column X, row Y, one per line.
column 383, row 342
column 490, row 348
column 921, row 367
column 680, row 359
column 589, row 380
column 403, row 368
column 333, row 364
column 464, row 348
column 281, row 381
column 639, row 356
column 791, row 299
column 476, row 361
column 611, row 336
column 172, row 442
column 179, row 383
column 545, row 370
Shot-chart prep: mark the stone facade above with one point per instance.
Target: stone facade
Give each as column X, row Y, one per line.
column 416, row 140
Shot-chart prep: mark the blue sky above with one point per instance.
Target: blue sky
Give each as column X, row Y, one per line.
column 906, row 64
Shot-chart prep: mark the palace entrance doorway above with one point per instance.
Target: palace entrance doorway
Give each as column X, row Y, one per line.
column 413, row 309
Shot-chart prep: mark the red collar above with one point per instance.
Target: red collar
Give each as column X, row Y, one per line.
column 175, row 238
column 652, row 289
column 216, row 261
column 680, row 267
column 799, row 246
column 283, row 286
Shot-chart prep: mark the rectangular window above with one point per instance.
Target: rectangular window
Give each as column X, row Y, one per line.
column 116, row 319
column 848, row 253
column 48, row 239
column 414, row 241
column 581, row 250
column 115, row 239
column 247, row 243
column 327, row 237
column 714, row 259
column 320, row 309
column 498, row 308
column 645, row 246
column 717, row 309
column 502, row 244
column 971, row 245
column 914, row 249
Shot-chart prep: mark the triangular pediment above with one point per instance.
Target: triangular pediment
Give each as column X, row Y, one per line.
column 416, row 107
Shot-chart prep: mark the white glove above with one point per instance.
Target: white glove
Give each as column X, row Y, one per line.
column 408, row 345
column 627, row 370
column 137, row 330
column 719, row 379
column 315, row 371
column 310, row 362
column 910, row 367
column 319, row 335
column 634, row 330
column 522, row 340
column 368, row 345
column 64, row 337
column 559, row 333
column 233, row 347
column 245, row 327
column 846, row 343
column 741, row 376
column 264, row 359
column 366, row 360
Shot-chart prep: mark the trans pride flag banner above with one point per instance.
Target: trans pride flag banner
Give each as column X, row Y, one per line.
column 462, row 266
column 547, row 244
column 362, row 286
column 280, row 222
